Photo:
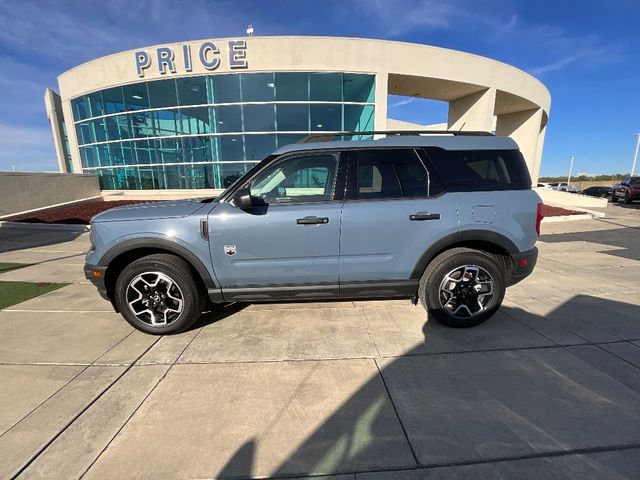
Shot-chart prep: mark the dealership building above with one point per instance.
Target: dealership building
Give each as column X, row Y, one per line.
column 198, row 114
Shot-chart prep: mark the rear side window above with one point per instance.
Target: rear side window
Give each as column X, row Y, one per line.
column 480, row 170
column 389, row 174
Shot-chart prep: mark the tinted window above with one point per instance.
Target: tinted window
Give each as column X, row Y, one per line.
column 257, row 87
column 390, row 174
column 192, row 91
column 292, row 86
column 307, row 178
column 162, row 93
column 480, row 170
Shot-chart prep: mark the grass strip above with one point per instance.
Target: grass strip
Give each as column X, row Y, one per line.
column 12, row 293
column 7, row 267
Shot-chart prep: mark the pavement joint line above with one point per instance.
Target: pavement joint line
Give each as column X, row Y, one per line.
column 292, row 360
column 618, row 224
column 39, row 452
column 434, row 466
column 618, row 356
column 54, row 311
column 545, row 336
column 395, row 410
column 412, row 354
column 113, row 346
column 52, row 260
column 592, row 365
column 135, row 410
column 47, row 399
column 583, row 320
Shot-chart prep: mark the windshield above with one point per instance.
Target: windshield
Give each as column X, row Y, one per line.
column 240, row 180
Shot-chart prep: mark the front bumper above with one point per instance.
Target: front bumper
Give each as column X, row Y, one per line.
column 522, row 265
column 96, row 273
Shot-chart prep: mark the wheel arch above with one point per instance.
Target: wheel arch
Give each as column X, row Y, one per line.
column 121, row 255
column 484, row 240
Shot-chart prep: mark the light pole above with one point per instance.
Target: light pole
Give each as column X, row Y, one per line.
column 635, row 157
column 570, row 170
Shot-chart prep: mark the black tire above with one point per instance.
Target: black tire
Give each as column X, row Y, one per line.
column 179, row 272
column 627, row 197
column 613, row 198
column 429, row 288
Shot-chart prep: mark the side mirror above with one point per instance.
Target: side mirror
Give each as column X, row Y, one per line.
column 242, row 199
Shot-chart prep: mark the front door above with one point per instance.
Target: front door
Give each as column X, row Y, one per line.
column 287, row 245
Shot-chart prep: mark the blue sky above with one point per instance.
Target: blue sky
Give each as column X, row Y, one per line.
column 584, row 51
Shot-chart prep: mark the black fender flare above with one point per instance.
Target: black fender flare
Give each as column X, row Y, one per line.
column 460, row 237
column 159, row 244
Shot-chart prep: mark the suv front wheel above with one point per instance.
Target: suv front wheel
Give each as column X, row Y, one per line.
column 158, row 294
column 462, row 287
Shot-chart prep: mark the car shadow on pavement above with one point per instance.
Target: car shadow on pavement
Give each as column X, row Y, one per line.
column 466, row 413
column 217, row 313
column 633, row 205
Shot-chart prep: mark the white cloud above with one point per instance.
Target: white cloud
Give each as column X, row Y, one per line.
column 557, row 47
column 396, row 17
column 402, row 102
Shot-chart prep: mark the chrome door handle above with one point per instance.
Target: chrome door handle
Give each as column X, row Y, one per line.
column 417, row 217
column 312, row 221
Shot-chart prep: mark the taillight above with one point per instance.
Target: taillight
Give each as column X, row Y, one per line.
column 539, row 217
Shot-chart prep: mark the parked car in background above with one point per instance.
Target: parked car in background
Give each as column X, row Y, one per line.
column 604, row 192
column 628, row 190
column 545, row 185
column 564, row 187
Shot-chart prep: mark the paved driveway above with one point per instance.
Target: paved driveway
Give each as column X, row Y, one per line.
column 549, row 388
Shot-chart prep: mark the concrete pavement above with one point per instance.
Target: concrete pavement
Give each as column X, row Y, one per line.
column 548, row 388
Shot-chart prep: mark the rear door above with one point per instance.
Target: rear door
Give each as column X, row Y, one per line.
column 393, row 212
column 492, row 189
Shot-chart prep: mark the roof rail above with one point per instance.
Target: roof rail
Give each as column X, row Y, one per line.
column 329, row 136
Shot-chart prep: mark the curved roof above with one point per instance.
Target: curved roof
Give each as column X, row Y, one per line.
column 410, row 69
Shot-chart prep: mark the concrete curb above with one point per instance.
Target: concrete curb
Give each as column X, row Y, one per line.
column 46, row 226
column 47, row 207
column 567, row 218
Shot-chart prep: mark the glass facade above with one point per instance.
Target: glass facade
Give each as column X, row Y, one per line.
column 206, row 131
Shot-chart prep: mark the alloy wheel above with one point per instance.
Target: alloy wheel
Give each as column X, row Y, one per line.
column 155, row 299
column 466, row 291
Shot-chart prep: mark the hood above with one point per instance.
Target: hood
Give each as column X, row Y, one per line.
column 147, row 211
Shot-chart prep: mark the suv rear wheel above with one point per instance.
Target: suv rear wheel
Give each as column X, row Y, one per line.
column 462, row 287
column 158, row 294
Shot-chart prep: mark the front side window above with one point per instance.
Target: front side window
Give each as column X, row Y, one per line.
column 307, row 178
column 390, row 174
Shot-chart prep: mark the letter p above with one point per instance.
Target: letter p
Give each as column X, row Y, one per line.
column 143, row 61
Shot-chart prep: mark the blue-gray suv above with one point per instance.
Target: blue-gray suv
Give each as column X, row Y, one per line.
column 449, row 220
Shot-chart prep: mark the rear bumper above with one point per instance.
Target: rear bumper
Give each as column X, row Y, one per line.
column 95, row 274
column 523, row 264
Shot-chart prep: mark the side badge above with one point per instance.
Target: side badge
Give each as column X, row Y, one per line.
column 230, row 250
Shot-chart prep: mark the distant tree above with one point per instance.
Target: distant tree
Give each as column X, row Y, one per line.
column 585, row 178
